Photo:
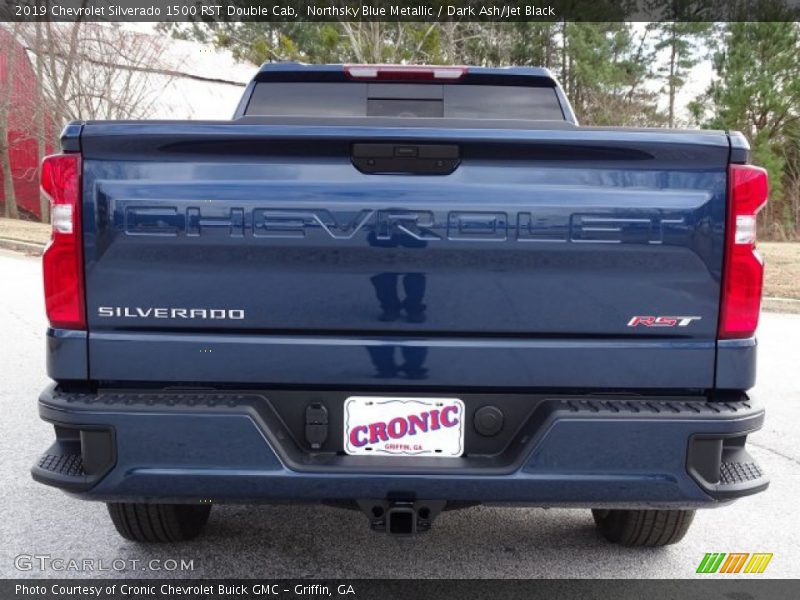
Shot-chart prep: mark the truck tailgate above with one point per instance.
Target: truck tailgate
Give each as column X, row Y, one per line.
column 255, row 253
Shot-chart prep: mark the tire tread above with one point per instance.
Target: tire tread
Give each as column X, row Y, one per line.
column 158, row 523
column 643, row 528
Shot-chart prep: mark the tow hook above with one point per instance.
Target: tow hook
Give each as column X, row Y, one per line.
column 401, row 517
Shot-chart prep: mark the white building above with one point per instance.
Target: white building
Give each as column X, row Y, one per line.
column 134, row 65
column 206, row 83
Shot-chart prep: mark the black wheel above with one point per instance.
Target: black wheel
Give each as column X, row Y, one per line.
column 156, row 523
column 643, row 527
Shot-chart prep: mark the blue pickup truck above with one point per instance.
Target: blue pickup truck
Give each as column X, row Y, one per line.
column 401, row 290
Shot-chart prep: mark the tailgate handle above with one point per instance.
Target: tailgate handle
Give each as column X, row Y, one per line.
column 411, row 159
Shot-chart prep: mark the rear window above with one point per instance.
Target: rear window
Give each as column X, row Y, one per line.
column 450, row 101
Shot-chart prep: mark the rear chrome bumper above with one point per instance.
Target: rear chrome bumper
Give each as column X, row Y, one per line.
column 646, row 451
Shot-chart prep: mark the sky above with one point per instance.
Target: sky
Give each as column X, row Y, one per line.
column 696, row 84
column 696, row 81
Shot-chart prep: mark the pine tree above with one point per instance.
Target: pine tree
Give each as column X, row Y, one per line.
column 680, row 41
column 757, row 91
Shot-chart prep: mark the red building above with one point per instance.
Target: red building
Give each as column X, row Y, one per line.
column 21, row 125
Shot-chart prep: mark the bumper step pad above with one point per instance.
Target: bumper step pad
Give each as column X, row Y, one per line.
column 723, row 467
column 739, row 475
column 77, row 460
column 68, row 465
column 62, row 465
column 732, row 473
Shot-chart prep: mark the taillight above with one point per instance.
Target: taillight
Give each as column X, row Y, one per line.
column 743, row 271
column 62, row 260
column 404, row 72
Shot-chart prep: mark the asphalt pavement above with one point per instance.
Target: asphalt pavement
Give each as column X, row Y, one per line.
column 311, row 541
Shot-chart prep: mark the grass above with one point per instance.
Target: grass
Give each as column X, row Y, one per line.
column 782, row 274
column 24, row 231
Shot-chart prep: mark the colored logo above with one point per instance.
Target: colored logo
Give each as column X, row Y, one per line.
column 734, row 562
column 404, row 426
column 652, row 321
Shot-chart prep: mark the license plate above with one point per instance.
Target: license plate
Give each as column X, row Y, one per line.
column 386, row 426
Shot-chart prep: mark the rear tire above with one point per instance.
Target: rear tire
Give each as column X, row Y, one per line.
column 158, row 523
column 643, row 528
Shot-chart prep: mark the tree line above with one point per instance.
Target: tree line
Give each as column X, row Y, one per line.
column 614, row 73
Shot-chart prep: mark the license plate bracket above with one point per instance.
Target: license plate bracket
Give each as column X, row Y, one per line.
column 400, row 426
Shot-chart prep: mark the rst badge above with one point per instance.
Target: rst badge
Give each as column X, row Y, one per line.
column 653, row 321
column 384, row 426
